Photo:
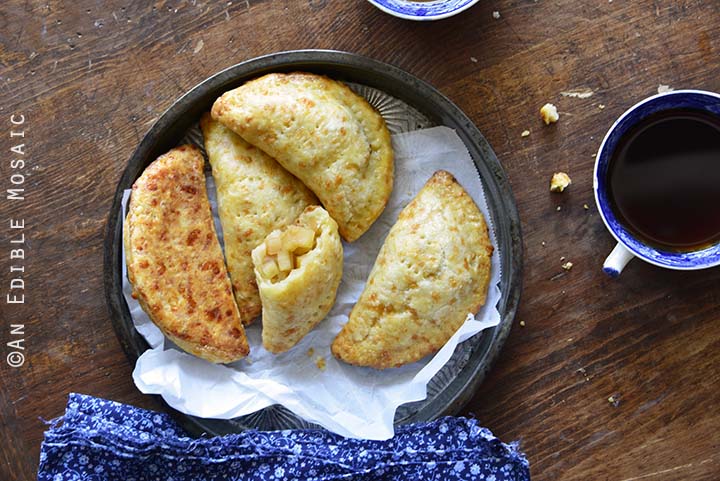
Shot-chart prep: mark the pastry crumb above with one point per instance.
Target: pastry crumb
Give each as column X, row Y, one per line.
column 311, row 352
column 664, row 88
column 567, row 266
column 496, row 14
column 559, row 182
column 525, row 133
column 583, row 372
column 559, row 208
column 549, row 114
column 601, row 106
column 473, row 60
column 522, row 323
column 320, row 363
column 585, row 206
column 543, row 243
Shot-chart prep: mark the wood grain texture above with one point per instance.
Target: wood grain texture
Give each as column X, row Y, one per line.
column 91, row 77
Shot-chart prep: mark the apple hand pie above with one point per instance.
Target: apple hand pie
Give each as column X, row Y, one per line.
column 298, row 270
column 432, row 271
column 255, row 195
column 323, row 133
column 174, row 261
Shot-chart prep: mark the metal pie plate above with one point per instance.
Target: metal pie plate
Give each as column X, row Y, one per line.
column 406, row 103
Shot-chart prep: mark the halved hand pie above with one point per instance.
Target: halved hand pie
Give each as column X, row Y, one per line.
column 255, row 195
column 298, row 271
column 323, row 133
column 174, row 261
column 432, row 271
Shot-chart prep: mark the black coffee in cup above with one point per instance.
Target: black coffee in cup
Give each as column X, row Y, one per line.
column 664, row 180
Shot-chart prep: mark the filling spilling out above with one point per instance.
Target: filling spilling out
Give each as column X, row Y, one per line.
column 281, row 251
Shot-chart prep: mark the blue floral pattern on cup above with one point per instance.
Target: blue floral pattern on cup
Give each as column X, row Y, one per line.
column 433, row 10
column 688, row 99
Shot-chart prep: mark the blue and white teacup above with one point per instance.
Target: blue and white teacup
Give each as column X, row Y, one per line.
column 423, row 10
column 629, row 246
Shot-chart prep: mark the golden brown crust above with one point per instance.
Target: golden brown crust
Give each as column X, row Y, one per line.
column 432, row 271
column 255, row 196
column 174, row 260
column 293, row 306
column 323, row 133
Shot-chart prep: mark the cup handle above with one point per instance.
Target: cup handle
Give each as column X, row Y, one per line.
column 617, row 260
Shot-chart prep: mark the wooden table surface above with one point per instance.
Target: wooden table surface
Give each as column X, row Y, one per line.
column 91, row 77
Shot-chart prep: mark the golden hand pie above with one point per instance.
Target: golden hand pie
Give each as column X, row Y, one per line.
column 298, row 271
column 255, row 195
column 323, row 133
column 174, row 261
column 432, row 271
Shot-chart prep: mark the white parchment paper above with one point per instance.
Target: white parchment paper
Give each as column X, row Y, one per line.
column 348, row 400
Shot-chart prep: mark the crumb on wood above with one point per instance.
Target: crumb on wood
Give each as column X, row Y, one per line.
column 525, row 133
column 585, row 206
column 614, row 400
column 559, row 182
column 542, row 243
column 567, row 266
column 522, row 323
column 549, row 114
column 496, row 15
column 558, row 208
column 473, row 59
column 664, row 89
column 601, row 106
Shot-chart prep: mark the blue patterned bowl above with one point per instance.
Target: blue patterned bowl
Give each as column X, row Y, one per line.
column 428, row 10
column 628, row 246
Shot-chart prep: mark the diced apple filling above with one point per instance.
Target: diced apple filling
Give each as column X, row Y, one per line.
column 281, row 249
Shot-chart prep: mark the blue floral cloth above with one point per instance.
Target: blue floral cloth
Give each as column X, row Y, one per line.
column 104, row 440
